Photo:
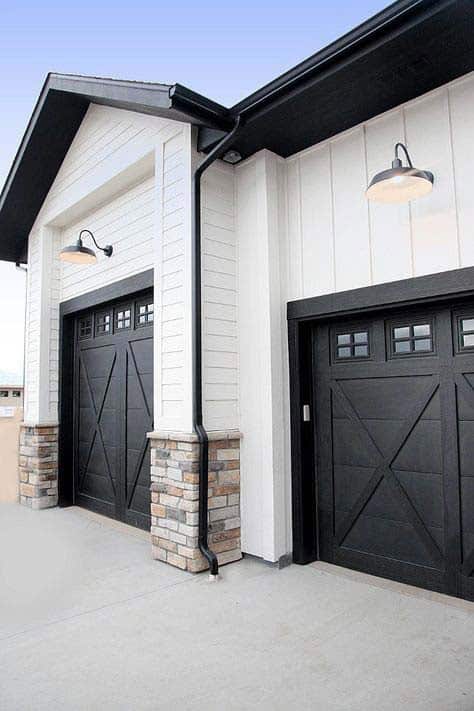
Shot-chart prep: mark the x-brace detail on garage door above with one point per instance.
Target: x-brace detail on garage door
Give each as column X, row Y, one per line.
column 383, row 469
column 98, row 415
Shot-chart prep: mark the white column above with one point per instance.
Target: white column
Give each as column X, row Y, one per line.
column 262, row 335
column 41, row 366
column 173, row 281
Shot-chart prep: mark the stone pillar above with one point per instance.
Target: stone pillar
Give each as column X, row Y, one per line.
column 38, row 466
column 175, row 498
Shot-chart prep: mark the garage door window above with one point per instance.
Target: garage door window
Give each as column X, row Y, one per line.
column 85, row 328
column 144, row 314
column 353, row 344
column 123, row 319
column 466, row 333
column 411, row 338
column 102, row 324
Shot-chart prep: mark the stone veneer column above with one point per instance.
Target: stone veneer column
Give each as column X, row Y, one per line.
column 175, row 498
column 38, row 466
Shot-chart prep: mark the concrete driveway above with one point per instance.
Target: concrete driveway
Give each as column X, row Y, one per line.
column 89, row 621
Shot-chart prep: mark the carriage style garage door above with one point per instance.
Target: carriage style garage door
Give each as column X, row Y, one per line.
column 113, row 397
column 395, row 445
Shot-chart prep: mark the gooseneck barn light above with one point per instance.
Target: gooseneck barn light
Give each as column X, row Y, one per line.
column 78, row 254
column 400, row 183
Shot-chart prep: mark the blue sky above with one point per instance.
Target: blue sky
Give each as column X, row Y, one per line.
column 223, row 50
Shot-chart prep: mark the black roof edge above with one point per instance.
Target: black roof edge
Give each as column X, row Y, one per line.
column 384, row 21
column 195, row 105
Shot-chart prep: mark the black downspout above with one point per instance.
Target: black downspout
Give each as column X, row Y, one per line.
column 217, row 152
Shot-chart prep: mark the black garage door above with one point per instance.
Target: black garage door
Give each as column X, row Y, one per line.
column 113, row 399
column 395, row 446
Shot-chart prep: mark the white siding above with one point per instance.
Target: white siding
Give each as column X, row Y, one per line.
column 127, row 222
column 328, row 237
column 260, row 225
column 172, row 287
column 219, row 282
column 338, row 240
column 106, row 184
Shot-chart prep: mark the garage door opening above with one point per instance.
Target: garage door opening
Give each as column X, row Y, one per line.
column 109, row 349
column 384, row 471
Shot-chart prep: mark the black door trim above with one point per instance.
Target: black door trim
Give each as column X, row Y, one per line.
column 406, row 292
column 68, row 311
column 302, row 315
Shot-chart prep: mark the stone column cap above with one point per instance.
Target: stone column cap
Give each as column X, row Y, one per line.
column 215, row 436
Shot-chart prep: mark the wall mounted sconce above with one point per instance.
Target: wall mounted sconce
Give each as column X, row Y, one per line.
column 400, row 183
column 78, row 254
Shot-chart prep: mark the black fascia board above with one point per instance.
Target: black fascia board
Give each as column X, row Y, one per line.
column 58, row 113
column 389, row 19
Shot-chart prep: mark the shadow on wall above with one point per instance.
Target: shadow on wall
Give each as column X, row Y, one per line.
column 10, row 420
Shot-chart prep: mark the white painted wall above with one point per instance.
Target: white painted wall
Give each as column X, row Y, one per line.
column 220, row 308
column 123, row 177
column 339, row 240
column 317, row 223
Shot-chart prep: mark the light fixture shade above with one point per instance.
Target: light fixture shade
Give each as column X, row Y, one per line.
column 78, row 254
column 400, row 184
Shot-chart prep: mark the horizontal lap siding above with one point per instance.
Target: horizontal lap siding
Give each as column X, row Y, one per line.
column 127, row 223
column 220, row 313
column 338, row 240
column 171, row 299
column 107, row 143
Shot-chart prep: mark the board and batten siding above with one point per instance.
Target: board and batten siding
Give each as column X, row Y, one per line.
column 106, row 184
column 338, row 240
column 316, row 222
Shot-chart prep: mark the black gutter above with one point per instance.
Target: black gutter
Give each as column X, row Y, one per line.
column 198, row 425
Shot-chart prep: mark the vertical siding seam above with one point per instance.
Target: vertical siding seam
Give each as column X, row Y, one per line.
column 300, row 230
column 333, row 221
column 453, row 164
column 410, row 216
column 369, row 224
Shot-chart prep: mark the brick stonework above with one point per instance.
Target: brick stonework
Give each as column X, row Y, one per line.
column 175, row 499
column 38, row 466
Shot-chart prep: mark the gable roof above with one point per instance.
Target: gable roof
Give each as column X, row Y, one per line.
column 406, row 50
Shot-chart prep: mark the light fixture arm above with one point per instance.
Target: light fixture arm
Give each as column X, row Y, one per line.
column 397, row 162
column 107, row 250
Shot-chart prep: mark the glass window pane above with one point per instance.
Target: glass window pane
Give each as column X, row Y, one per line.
column 343, row 352
column 468, row 340
column 361, row 337
column 361, row 351
column 402, row 346
column 422, row 330
column 424, row 344
column 401, row 332
column 467, row 324
column 343, row 338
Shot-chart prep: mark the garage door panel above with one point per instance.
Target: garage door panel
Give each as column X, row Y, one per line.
column 98, row 486
column 349, row 447
column 422, row 449
column 383, row 432
column 113, row 413
column 426, row 494
column 349, row 483
column 143, row 355
column 466, row 447
column 384, row 398
column 134, row 391
column 389, row 539
column 381, row 485
column 467, row 508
